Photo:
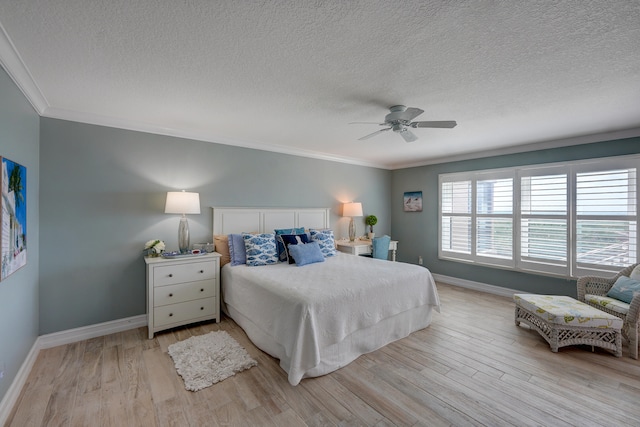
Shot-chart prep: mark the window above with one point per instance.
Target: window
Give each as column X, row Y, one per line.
column 568, row 220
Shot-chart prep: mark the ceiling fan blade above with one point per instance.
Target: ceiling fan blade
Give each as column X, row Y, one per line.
column 367, row 123
column 448, row 124
column 408, row 135
column 373, row 134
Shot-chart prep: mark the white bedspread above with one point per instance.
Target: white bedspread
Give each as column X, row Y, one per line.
column 310, row 308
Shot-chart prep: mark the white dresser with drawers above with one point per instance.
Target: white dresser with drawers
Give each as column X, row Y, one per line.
column 182, row 290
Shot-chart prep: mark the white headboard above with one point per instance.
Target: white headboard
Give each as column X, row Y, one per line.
column 265, row 220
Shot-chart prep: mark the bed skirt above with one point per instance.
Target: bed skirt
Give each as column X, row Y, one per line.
column 344, row 352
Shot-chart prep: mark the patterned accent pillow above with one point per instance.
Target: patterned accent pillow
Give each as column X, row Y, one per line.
column 291, row 239
column 282, row 255
column 624, row 289
column 260, row 249
column 325, row 240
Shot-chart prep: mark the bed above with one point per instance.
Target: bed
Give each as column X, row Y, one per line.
column 320, row 317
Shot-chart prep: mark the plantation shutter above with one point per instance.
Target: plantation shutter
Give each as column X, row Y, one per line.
column 606, row 218
column 455, row 225
column 494, row 220
column 544, row 221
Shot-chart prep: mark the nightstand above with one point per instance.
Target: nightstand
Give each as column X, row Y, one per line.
column 363, row 247
column 182, row 290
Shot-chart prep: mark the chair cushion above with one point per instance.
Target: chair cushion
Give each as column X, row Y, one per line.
column 563, row 310
column 608, row 302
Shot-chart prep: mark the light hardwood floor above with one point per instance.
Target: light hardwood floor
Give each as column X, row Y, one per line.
column 472, row 366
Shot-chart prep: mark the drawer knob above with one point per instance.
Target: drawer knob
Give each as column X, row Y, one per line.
column 170, row 314
column 201, row 271
column 170, row 295
column 201, row 289
column 170, row 274
column 201, row 308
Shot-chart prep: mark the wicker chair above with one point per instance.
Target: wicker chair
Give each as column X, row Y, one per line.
column 599, row 286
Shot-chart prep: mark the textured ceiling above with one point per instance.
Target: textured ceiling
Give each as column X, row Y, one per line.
column 289, row 76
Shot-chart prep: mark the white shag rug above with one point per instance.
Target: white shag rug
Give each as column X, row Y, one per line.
column 207, row 359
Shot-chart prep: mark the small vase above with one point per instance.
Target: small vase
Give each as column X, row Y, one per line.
column 371, row 235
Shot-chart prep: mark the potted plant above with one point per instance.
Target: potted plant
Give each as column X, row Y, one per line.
column 371, row 220
column 154, row 247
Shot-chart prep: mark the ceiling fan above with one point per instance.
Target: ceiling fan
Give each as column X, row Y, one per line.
column 399, row 121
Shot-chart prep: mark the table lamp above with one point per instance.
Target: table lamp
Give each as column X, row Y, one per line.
column 352, row 210
column 182, row 202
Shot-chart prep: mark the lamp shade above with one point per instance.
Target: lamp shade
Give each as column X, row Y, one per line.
column 352, row 209
column 182, row 202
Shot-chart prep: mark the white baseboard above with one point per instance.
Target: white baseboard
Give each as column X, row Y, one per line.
column 477, row 286
column 84, row 333
column 60, row 338
column 11, row 397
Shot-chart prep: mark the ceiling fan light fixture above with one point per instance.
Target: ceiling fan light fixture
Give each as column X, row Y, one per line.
column 400, row 119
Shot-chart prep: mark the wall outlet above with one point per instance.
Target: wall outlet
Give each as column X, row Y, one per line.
column 420, row 260
column 1, row 370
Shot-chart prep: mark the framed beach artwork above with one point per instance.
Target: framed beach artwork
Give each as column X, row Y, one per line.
column 13, row 229
column 413, row 201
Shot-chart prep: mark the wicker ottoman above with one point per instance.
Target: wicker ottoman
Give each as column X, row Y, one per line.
column 563, row 321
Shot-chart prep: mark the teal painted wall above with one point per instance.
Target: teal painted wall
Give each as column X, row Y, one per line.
column 418, row 231
column 103, row 192
column 19, row 136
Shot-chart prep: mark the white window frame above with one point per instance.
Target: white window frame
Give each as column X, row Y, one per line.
column 572, row 269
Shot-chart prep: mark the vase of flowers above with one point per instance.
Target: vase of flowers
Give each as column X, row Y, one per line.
column 371, row 220
column 154, row 247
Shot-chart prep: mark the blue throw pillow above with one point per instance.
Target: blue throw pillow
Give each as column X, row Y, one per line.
column 308, row 253
column 282, row 256
column 260, row 249
column 291, row 239
column 624, row 289
column 325, row 240
column 237, row 252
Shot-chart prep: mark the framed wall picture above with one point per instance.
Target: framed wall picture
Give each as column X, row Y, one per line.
column 413, row 201
column 13, row 228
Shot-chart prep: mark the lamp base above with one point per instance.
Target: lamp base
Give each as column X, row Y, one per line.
column 183, row 235
column 352, row 230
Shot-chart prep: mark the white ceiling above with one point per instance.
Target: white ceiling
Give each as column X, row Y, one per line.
column 290, row 75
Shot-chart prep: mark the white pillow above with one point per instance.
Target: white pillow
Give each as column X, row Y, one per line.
column 635, row 274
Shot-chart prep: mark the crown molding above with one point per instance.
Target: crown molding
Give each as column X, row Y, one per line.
column 13, row 64
column 543, row 145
